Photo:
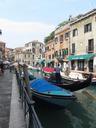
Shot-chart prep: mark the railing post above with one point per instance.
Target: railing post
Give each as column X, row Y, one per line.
column 30, row 117
column 26, row 78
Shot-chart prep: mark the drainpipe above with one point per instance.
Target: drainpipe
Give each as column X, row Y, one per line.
column 69, row 62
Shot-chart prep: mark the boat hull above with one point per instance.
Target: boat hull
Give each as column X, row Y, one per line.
column 54, row 100
column 50, row 93
column 73, row 85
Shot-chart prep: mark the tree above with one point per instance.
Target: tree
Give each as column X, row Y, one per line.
column 50, row 37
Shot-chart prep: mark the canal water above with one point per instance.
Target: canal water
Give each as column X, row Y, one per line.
column 80, row 114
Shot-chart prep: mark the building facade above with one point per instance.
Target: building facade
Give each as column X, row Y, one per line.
column 18, row 55
column 61, row 45
column 9, row 54
column 33, row 52
column 75, row 43
column 2, row 50
column 83, row 42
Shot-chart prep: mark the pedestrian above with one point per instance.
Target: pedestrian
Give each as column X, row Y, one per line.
column 2, row 67
column 57, row 74
column 10, row 68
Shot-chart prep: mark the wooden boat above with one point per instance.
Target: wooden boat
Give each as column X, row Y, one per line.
column 47, row 72
column 93, row 80
column 72, row 85
column 67, row 82
column 50, row 93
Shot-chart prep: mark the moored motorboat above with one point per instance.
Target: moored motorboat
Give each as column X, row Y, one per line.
column 50, row 93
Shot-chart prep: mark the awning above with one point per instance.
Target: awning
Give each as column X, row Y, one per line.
column 81, row 57
column 49, row 61
column 48, row 69
column 41, row 61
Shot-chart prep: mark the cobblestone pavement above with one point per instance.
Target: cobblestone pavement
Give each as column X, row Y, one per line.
column 5, row 98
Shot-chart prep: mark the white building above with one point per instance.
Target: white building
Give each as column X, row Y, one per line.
column 33, row 52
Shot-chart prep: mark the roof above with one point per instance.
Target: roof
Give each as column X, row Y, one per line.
column 90, row 13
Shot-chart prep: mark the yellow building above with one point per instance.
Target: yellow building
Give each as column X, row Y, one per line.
column 57, row 50
column 61, row 45
column 49, row 52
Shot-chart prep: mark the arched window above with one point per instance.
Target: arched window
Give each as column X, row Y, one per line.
column 40, row 50
column 33, row 50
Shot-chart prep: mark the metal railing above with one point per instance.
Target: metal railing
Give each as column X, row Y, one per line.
column 31, row 118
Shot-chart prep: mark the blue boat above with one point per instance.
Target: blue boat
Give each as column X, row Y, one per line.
column 50, row 93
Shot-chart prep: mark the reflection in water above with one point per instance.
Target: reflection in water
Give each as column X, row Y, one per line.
column 77, row 121
column 80, row 114
column 90, row 105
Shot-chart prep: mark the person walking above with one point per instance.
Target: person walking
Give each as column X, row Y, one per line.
column 2, row 67
column 57, row 74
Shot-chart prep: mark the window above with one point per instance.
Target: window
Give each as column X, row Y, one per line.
column 56, row 39
column 73, row 48
column 90, row 65
column 49, row 56
column 66, row 35
column 33, row 57
column 91, row 45
column 80, row 65
column 60, row 53
column 56, row 53
column 33, row 50
column 47, row 48
column 52, row 56
column 75, row 32
column 33, row 44
column 87, row 27
column 40, row 50
column 61, row 38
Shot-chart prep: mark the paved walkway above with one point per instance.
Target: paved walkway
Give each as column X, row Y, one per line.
column 5, row 98
column 11, row 112
column 16, row 112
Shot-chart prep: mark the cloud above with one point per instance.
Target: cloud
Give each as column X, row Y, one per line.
column 24, row 26
column 20, row 32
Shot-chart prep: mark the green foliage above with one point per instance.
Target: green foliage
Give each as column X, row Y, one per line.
column 63, row 23
column 50, row 37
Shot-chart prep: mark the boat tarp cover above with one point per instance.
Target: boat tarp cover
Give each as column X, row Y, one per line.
column 48, row 69
column 42, row 85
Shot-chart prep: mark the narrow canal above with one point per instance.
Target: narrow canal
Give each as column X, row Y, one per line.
column 80, row 114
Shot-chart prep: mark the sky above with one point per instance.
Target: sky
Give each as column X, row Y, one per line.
column 22, row 21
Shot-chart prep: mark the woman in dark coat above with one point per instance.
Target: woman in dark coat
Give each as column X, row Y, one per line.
column 2, row 67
